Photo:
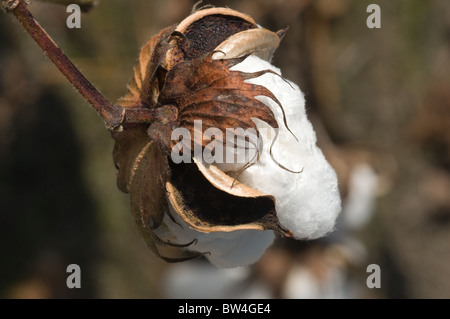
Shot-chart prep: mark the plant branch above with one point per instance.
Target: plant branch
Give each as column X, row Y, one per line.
column 111, row 114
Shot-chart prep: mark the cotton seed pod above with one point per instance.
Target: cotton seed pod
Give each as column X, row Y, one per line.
column 188, row 73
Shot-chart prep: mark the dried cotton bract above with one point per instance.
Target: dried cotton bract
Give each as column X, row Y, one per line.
column 214, row 67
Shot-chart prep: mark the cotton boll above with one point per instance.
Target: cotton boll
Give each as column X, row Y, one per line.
column 303, row 283
column 202, row 280
column 234, row 249
column 307, row 202
column 296, row 174
column 359, row 204
column 224, row 249
column 198, row 279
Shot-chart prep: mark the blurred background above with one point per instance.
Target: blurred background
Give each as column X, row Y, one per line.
column 379, row 100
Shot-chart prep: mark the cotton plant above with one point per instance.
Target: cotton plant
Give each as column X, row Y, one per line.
column 193, row 83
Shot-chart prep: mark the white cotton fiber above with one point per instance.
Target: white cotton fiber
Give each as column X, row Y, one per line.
column 308, row 202
column 224, row 249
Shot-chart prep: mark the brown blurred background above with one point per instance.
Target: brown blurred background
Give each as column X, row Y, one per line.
column 379, row 100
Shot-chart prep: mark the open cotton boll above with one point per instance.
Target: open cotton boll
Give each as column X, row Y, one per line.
column 307, row 202
column 296, row 174
column 224, row 249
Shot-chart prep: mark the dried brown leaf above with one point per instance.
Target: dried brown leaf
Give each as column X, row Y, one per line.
column 205, row 89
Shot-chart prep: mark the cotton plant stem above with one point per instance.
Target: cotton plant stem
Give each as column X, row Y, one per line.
column 111, row 114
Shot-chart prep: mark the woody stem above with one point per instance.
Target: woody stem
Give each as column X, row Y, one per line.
column 111, row 114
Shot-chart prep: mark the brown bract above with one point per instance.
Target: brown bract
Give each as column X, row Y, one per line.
column 206, row 89
column 177, row 78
